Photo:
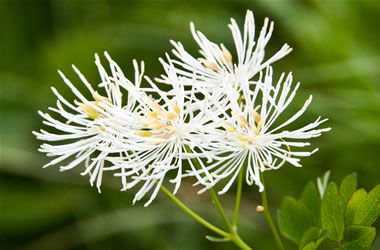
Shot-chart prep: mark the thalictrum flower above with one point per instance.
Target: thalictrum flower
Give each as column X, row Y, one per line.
column 252, row 140
column 165, row 130
column 217, row 63
column 85, row 127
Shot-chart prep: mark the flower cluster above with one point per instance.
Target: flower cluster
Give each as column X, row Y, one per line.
column 220, row 117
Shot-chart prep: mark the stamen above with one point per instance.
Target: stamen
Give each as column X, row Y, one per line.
column 260, row 124
column 150, row 114
column 101, row 128
column 227, row 55
column 156, row 107
column 175, row 107
column 144, row 133
column 210, row 65
column 99, row 98
column 287, row 155
column 170, row 115
column 242, row 121
column 228, row 127
column 89, row 110
column 256, row 116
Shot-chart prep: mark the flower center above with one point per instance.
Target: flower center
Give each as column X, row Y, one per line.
column 160, row 123
column 243, row 131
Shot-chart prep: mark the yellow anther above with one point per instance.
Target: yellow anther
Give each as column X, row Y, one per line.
column 175, row 108
column 156, row 125
column 256, row 116
column 257, row 132
column 101, row 128
column 150, row 115
column 242, row 121
column 100, row 98
column 156, row 107
column 170, row 115
column 227, row 55
column 228, row 127
column 210, row 65
column 144, row 133
column 241, row 138
column 89, row 110
column 164, row 136
column 260, row 124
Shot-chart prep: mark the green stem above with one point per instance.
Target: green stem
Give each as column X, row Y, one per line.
column 220, row 209
column 269, row 217
column 193, row 214
column 239, row 242
column 233, row 235
column 238, row 198
column 212, row 194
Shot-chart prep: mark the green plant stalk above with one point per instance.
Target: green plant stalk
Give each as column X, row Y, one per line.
column 193, row 214
column 233, row 235
column 238, row 198
column 269, row 217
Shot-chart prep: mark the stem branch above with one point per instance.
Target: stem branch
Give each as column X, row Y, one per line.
column 193, row 214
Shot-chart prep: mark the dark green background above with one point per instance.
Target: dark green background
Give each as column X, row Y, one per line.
column 336, row 57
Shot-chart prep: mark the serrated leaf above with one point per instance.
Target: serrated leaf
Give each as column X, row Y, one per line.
column 348, row 187
column 362, row 208
column 294, row 219
column 312, row 201
column 358, row 237
column 216, row 239
column 332, row 213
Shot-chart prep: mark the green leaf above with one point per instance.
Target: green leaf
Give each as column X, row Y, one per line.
column 312, row 201
column 310, row 235
column 294, row 219
column 314, row 245
column 312, row 238
column 348, row 187
column 363, row 209
column 358, row 237
column 216, row 239
column 332, row 213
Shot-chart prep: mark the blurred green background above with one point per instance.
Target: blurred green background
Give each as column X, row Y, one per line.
column 336, row 57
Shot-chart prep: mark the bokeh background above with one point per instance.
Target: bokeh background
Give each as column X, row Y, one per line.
column 336, row 57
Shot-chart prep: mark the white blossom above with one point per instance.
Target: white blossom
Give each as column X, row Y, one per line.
column 84, row 127
column 217, row 64
column 165, row 130
column 253, row 140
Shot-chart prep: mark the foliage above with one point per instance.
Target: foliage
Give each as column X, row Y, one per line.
column 344, row 216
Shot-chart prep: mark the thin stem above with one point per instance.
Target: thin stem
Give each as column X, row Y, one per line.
column 239, row 242
column 233, row 234
column 238, row 198
column 193, row 214
column 269, row 217
column 212, row 194
column 220, row 209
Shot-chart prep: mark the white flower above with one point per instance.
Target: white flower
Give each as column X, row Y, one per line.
column 165, row 130
column 85, row 127
column 217, row 64
column 252, row 140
